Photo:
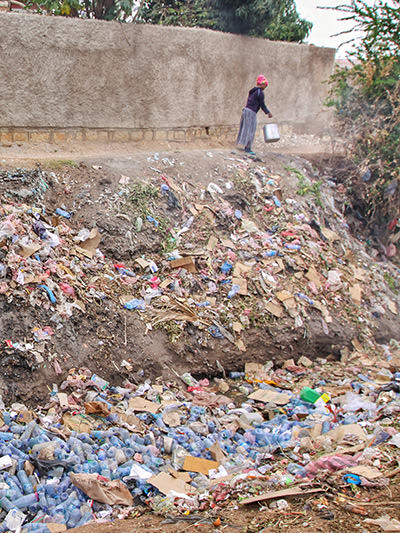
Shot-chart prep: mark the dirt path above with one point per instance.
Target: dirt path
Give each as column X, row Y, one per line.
column 13, row 154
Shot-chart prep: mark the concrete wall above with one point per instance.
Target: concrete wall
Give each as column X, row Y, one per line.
column 68, row 75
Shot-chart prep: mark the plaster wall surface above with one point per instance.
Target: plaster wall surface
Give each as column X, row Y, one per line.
column 69, row 73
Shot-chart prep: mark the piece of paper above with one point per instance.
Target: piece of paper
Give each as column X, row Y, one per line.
column 78, row 423
column 183, row 476
column 212, row 243
column 102, row 489
column 329, row 234
column 339, row 433
column 385, row 522
column 275, row 309
column 242, row 284
column 355, row 293
column 284, row 493
column 142, row 405
column 165, row 483
column 198, row 464
column 313, row 276
column 142, row 262
column 56, row 528
column 91, row 244
column 305, row 361
column 217, row 453
column 26, row 250
column 241, row 268
column 96, row 408
column 63, row 399
column 269, row 396
column 172, row 419
column 184, row 262
column 368, row 472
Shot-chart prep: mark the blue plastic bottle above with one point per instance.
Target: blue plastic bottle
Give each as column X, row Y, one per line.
column 25, row 501
column 25, row 482
column 6, row 504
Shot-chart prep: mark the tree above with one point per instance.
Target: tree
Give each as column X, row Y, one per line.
column 176, row 13
column 98, row 9
column 273, row 19
column 367, row 100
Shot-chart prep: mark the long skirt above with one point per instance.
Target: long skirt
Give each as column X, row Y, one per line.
column 247, row 128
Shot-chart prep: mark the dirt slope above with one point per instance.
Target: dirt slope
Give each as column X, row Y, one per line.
column 95, row 191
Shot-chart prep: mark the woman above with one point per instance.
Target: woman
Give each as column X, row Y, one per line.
column 248, row 122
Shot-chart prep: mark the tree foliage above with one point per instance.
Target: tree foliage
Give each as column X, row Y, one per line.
column 367, row 100
column 273, row 19
column 97, row 9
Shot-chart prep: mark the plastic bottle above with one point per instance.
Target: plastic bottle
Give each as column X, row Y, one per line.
column 62, row 213
column 290, row 246
column 25, row 482
column 304, row 297
column 30, row 427
column 6, row 504
column 296, row 470
column 4, row 435
column 25, row 501
column 235, row 289
column 276, row 201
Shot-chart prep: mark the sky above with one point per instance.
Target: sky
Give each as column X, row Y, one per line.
column 326, row 24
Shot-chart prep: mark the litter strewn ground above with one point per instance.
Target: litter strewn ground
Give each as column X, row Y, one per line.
column 200, row 330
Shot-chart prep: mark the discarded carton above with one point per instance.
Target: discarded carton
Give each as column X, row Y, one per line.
column 103, row 490
column 197, row 464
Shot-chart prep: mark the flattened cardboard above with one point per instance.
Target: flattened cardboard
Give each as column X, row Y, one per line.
column 355, row 293
column 92, row 242
column 369, row 472
column 200, row 465
column 184, row 262
column 56, row 528
column 166, row 483
column 275, row 309
column 285, row 493
column 269, row 396
column 142, row 405
column 217, row 453
column 242, row 283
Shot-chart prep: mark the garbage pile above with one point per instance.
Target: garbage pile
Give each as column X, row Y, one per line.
column 101, row 452
column 237, row 254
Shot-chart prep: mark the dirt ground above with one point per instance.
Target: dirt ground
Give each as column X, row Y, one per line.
column 304, row 515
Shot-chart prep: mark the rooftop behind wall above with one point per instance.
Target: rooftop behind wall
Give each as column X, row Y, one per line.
column 69, row 74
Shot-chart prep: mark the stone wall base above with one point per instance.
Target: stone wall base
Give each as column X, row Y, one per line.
column 56, row 135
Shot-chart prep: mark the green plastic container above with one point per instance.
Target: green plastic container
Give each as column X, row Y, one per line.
column 309, row 395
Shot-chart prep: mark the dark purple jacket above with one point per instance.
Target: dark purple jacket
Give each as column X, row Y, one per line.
column 256, row 100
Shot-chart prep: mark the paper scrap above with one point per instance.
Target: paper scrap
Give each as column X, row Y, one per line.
column 284, row 493
column 184, row 262
column 91, row 244
column 355, row 293
column 368, row 472
column 165, row 483
column 275, row 309
column 142, row 405
column 269, row 396
column 242, row 284
column 198, row 464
